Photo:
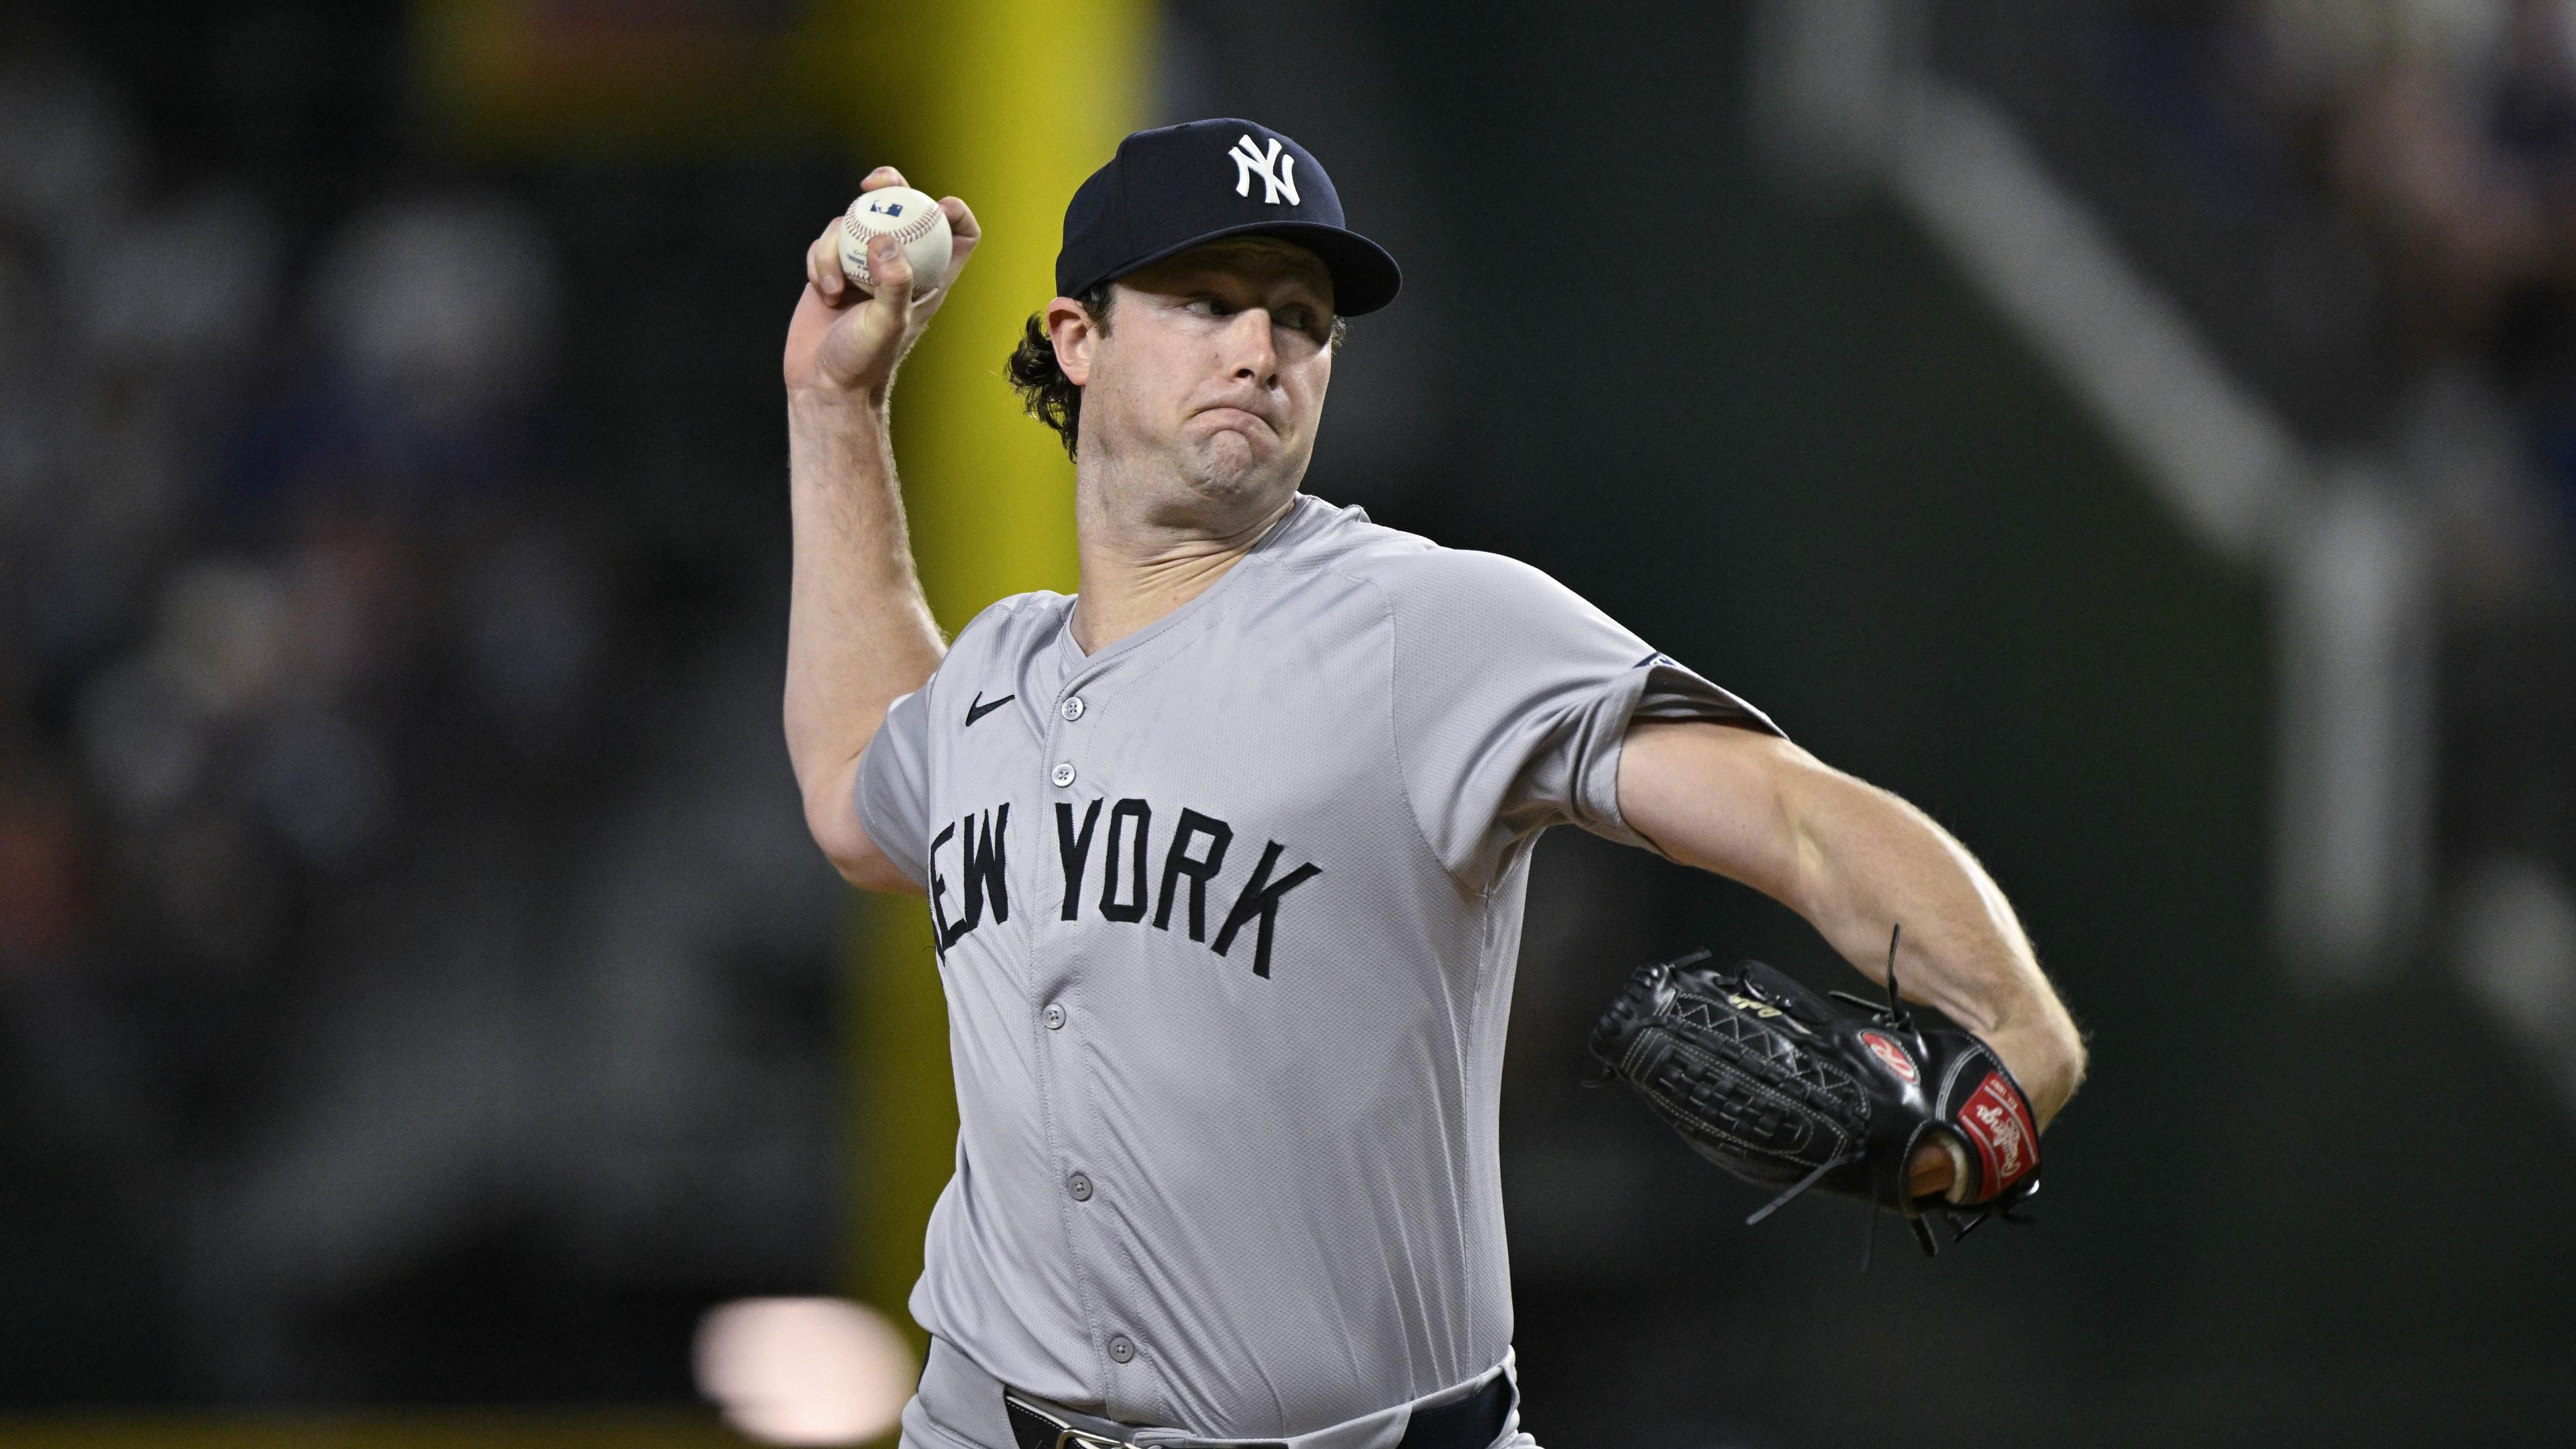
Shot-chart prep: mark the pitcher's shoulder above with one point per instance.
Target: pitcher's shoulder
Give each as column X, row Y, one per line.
column 1420, row 578
column 1009, row 629
column 1345, row 540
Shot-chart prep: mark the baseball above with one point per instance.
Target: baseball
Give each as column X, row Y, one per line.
column 916, row 222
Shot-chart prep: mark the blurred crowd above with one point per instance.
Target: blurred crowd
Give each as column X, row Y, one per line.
column 389, row 870
column 2442, row 131
column 2367, row 210
column 2446, row 132
column 279, row 571
column 2451, row 131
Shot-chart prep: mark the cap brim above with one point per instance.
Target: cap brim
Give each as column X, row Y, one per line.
column 1365, row 276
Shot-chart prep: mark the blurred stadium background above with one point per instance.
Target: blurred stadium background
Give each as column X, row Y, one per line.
column 2142, row 433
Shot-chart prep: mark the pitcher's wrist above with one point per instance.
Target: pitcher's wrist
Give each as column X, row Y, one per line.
column 827, row 407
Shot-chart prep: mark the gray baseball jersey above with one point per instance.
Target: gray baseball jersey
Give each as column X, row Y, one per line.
column 1228, row 915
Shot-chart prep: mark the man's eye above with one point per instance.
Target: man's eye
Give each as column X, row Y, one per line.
column 1206, row 306
column 1312, row 325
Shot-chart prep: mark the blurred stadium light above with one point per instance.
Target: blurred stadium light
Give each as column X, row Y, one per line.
column 805, row 1370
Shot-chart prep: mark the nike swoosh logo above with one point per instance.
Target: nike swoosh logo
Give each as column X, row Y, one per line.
column 979, row 708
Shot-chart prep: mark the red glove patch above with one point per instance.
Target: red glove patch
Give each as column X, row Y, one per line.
column 1996, row 1121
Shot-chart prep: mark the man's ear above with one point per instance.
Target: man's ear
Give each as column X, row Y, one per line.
column 1074, row 334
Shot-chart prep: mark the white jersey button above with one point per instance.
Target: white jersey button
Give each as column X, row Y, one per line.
column 1120, row 1349
column 1073, row 709
column 1079, row 1186
column 1053, row 1016
column 1063, row 775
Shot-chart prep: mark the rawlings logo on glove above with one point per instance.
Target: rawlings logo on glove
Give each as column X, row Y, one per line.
column 1787, row 1089
column 1997, row 1123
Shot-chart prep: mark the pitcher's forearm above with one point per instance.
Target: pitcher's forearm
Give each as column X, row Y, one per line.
column 1852, row 859
column 859, row 631
column 1867, row 858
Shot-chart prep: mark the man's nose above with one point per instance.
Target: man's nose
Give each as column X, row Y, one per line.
column 1254, row 358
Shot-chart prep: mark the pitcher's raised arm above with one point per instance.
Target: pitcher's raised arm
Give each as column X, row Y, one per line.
column 859, row 632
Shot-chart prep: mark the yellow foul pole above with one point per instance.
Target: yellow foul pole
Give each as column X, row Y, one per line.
column 1008, row 104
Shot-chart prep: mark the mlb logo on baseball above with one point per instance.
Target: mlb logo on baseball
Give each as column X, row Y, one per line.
column 915, row 221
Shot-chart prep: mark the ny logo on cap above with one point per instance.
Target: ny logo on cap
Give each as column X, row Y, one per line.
column 1277, row 172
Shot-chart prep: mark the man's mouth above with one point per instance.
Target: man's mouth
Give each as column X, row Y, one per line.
column 1229, row 415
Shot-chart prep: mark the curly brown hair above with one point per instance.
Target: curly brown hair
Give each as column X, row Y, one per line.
column 1046, row 394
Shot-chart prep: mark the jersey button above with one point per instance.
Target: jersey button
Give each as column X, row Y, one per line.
column 1063, row 775
column 1073, row 709
column 1053, row 1016
column 1079, row 1186
column 1120, row 1349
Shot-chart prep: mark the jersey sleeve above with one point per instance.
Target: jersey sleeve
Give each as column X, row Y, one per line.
column 1512, row 697
column 892, row 791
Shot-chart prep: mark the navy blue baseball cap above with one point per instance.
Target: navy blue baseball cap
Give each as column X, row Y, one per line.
column 1169, row 189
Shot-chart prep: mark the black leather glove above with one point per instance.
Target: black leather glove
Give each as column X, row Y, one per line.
column 1787, row 1089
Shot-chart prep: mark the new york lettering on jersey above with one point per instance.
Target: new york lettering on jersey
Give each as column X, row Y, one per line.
column 1191, row 859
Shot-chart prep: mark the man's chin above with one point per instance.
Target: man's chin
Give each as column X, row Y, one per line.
column 1231, row 461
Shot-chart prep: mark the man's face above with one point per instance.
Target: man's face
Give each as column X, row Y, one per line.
column 1212, row 369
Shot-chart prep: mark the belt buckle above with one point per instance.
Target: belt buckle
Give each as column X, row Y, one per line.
column 1066, row 1435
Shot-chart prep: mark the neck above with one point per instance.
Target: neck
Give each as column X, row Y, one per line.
column 1137, row 570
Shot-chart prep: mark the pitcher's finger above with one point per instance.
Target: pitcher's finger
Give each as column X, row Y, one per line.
column 892, row 272
column 882, row 176
column 963, row 234
column 823, row 262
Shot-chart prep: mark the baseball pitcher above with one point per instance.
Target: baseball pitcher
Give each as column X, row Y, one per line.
column 1226, row 856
